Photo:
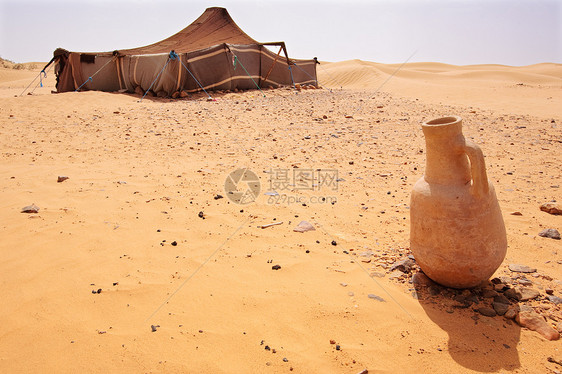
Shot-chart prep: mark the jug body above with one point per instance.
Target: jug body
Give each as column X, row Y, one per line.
column 457, row 233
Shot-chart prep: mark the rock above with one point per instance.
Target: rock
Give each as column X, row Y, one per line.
column 486, row 311
column 555, row 299
column 61, row 178
column 555, row 360
column 375, row 297
column 405, row 265
column 175, row 95
column 218, row 197
column 396, row 274
column 174, row 243
column 201, row 215
column 512, row 311
column 550, row 233
column 276, row 267
column 500, row 308
column 536, row 322
column 516, row 214
column 488, row 294
column 154, row 327
column 522, row 293
column 521, row 268
column 183, row 94
column 552, row 208
column 334, row 242
column 420, row 279
column 30, row 209
column 501, row 299
column 332, row 341
column 304, row 226
column 500, row 287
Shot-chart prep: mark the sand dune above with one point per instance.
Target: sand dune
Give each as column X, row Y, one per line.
column 536, row 89
column 145, row 175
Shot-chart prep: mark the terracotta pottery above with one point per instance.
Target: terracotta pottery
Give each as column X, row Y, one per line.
column 457, row 234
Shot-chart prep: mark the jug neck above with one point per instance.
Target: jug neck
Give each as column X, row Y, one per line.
column 446, row 159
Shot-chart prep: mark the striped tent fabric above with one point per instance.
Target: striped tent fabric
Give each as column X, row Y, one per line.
column 212, row 53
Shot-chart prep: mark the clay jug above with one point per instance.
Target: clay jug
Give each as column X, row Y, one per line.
column 457, row 233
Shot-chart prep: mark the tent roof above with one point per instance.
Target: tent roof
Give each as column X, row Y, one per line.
column 214, row 26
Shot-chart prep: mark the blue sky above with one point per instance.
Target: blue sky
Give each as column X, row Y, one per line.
column 461, row 32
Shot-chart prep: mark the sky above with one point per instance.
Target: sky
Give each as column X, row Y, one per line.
column 460, row 32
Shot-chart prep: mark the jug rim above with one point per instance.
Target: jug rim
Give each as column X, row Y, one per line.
column 443, row 121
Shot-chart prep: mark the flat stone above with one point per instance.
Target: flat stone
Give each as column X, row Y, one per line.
column 521, row 268
column 511, row 312
column 536, row 322
column 304, row 226
column 486, row 311
column 404, row 265
column 552, row 208
column 30, row 209
column 500, row 308
column 555, row 299
column 375, row 297
column 396, row 274
column 489, row 293
column 522, row 293
column 61, row 178
column 500, row 287
column 550, row 233
column 501, row 299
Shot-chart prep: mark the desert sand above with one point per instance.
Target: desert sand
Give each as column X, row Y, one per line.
column 185, row 278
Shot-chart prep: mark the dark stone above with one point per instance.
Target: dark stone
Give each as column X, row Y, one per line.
column 174, row 243
column 555, row 299
column 153, row 327
column 550, row 233
column 99, row 290
column 501, row 299
column 338, row 347
column 500, row 308
column 489, row 293
column 552, row 208
column 201, row 215
column 276, row 267
column 61, row 178
column 486, row 311
column 218, row 197
column 334, row 242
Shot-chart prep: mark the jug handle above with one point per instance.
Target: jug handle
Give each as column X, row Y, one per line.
column 478, row 169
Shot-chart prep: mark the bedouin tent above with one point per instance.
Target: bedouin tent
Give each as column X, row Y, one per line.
column 212, row 53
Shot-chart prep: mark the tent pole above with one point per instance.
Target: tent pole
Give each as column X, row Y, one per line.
column 272, row 65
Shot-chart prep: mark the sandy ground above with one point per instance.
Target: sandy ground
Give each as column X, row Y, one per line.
column 141, row 175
